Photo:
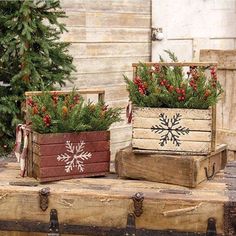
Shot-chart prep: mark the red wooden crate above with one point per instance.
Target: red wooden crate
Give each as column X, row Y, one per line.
column 60, row 156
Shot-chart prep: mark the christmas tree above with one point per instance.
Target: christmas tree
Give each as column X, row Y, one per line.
column 31, row 57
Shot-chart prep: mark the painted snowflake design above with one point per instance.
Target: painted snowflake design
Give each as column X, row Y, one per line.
column 74, row 157
column 169, row 129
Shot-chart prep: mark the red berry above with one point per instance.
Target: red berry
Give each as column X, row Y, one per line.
column 171, row 88
column 177, row 90
column 179, row 98
column 162, row 83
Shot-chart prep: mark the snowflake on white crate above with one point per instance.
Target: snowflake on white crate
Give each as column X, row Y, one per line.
column 74, row 157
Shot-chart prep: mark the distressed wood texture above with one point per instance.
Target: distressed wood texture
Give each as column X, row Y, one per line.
column 106, row 202
column 52, row 155
column 106, row 38
column 173, row 130
column 226, row 107
column 184, row 170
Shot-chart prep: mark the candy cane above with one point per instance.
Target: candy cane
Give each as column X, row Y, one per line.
column 22, row 130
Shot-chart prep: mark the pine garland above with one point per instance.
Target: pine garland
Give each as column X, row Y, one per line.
column 170, row 87
column 69, row 113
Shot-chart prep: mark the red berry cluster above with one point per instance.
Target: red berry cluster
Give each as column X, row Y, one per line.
column 157, row 68
column 30, row 102
column 55, row 98
column 193, row 73
column 142, row 86
column 47, row 120
column 207, row 93
column 181, row 94
column 169, row 87
column 213, row 77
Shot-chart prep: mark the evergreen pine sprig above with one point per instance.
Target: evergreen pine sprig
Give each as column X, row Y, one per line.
column 169, row 87
column 53, row 113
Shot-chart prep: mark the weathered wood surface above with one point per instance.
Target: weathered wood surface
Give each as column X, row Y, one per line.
column 226, row 109
column 107, row 201
column 150, row 125
column 45, row 150
column 184, row 170
column 107, row 37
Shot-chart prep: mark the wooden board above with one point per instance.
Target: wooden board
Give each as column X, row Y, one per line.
column 69, row 155
column 173, row 130
column 104, row 204
column 226, row 109
column 184, row 170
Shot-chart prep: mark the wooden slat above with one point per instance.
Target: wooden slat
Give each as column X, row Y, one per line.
column 227, row 136
column 89, row 80
column 221, row 74
column 186, row 146
column 225, row 58
column 139, row 6
column 55, row 138
column 90, row 50
column 51, row 161
column 96, row 65
column 52, row 149
column 64, row 92
column 194, row 114
column 202, row 125
column 59, row 171
column 192, row 136
column 77, row 34
column 124, row 131
column 106, row 19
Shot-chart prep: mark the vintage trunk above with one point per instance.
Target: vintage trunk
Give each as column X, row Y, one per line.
column 184, row 170
column 69, row 155
column 173, row 130
column 114, row 207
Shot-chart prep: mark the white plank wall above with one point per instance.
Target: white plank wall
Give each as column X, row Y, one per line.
column 191, row 25
column 106, row 38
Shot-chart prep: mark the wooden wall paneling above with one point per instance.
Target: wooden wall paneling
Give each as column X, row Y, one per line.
column 106, row 19
column 140, row 6
column 100, row 79
column 97, row 50
column 226, row 109
column 76, row 34
column 106, row 38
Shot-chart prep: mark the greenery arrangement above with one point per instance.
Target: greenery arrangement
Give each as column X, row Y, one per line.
column 53, row 113
column 170, row 87
column 31, row 57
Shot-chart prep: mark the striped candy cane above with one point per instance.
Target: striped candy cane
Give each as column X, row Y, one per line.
column 22, row 131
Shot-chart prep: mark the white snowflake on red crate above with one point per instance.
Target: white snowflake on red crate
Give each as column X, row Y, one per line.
column 75, row 156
